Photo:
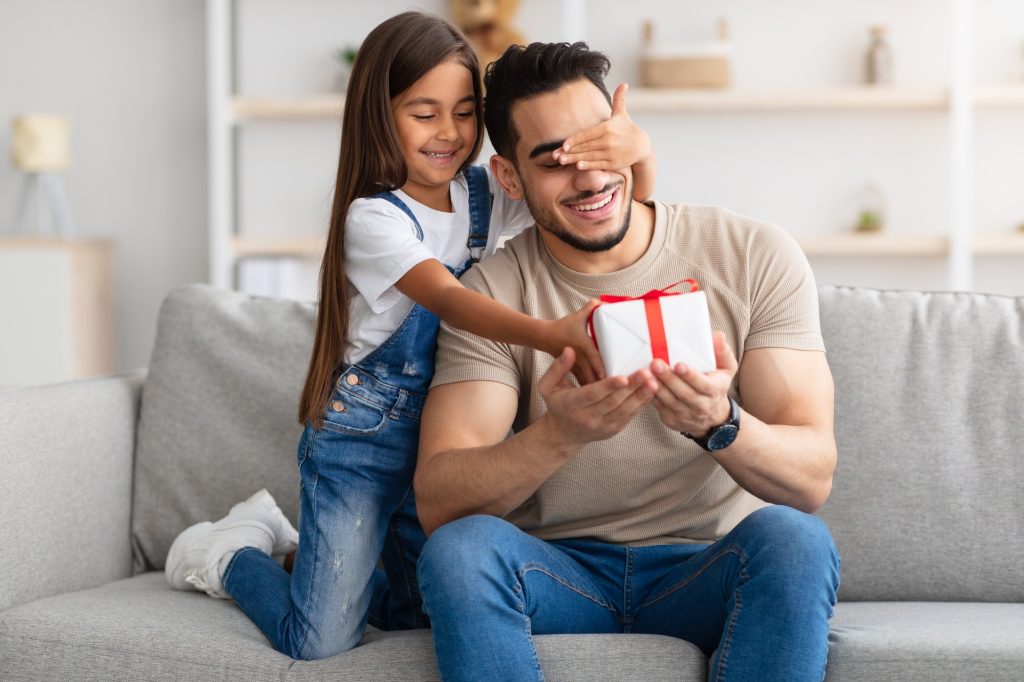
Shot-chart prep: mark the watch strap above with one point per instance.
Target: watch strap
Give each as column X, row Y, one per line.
column 732, row 422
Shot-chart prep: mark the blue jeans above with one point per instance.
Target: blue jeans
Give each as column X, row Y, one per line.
column 758, row 600
column 355, row 499
column 356, row 505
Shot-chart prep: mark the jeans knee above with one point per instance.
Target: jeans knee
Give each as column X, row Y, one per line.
column 797, row 539
column 460, row 550
column 315, row 649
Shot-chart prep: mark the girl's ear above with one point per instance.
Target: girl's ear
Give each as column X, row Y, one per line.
column 507, row 176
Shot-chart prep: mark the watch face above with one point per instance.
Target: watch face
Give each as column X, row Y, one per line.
column 723, row 437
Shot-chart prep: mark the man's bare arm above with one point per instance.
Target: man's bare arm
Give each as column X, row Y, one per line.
column 466, row 466
column 785, row 452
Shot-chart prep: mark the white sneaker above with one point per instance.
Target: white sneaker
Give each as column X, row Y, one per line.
column 199, row 555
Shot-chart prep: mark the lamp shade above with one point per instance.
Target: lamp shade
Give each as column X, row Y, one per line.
column 39, row 143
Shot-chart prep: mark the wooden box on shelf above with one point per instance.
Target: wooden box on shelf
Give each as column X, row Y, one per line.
column 56, row 309
column 686, row 66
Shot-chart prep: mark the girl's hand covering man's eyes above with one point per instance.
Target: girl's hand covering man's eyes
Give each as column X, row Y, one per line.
column 609, row 145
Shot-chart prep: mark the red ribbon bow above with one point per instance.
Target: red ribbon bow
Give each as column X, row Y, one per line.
column 652, row 307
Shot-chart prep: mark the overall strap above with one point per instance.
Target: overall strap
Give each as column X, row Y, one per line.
column 391, row 198
column 480, row 200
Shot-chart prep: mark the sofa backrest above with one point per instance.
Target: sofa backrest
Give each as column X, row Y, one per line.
column 219, row 409
column 928, row 496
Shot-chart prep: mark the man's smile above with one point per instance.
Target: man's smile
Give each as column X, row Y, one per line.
column 596, row 206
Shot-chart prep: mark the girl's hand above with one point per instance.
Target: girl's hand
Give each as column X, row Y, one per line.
column 610, row 145
column 571, row 331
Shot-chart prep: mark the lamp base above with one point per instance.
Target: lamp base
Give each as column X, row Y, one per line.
column 52, row 214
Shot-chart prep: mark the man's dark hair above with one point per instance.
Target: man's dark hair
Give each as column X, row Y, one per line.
column 524, row 72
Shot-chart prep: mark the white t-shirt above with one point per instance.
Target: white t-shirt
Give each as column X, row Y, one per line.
column 381, row 246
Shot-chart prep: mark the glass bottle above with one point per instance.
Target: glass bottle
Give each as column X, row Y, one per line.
column 879, row 58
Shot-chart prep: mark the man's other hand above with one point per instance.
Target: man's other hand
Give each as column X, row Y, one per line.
column 693, row 402
column 596, row 411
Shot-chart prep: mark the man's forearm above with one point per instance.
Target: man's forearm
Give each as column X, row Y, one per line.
column 790, row 465
column 489, row 480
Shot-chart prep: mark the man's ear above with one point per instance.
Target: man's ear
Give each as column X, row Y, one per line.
column 507, row 176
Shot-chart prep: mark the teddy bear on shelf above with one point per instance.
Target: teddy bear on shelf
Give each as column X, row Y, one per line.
column 488, row 25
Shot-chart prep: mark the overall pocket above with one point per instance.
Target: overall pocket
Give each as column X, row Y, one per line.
column 349, row 413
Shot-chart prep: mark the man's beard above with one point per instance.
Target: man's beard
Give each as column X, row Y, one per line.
column 549, row 223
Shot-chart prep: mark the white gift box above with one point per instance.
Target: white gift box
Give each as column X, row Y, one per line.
column 623, row 333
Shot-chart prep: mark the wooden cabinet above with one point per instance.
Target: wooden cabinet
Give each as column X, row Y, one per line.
column 57, row 317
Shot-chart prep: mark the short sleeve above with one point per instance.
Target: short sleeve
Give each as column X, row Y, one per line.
column 784, row 296
column 462, row 356
column 508, row 216
column 380, row 247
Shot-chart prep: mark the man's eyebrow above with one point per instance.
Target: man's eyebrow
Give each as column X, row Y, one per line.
column 545, row 147
column 433, row 102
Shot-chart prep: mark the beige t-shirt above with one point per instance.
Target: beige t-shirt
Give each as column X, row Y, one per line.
column 648, row 484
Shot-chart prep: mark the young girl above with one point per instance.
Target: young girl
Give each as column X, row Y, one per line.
column 410, row 215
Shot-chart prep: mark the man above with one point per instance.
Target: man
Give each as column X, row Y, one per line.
column 668, row 502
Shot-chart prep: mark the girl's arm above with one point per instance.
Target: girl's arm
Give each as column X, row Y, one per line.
column 431, row 285
column 615, row 143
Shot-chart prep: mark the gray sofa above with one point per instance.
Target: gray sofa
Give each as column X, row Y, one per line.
column 927, row 506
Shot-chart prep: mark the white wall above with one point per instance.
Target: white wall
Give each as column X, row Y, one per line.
column 130, row 74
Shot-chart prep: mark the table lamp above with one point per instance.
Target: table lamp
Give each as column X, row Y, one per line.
column 39, row 148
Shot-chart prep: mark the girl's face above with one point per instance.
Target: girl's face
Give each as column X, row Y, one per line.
column 436, row 121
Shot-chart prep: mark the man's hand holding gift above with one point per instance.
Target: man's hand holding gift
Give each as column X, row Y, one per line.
column 670, row 334
column 580, row 415
column 693, row 402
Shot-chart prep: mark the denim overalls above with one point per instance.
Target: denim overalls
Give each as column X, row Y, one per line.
column 356, row 499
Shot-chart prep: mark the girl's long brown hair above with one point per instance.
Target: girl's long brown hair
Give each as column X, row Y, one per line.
column 395, row 54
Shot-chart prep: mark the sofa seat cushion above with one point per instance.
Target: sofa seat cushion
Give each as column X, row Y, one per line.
column 933, row 641
column 140, row 629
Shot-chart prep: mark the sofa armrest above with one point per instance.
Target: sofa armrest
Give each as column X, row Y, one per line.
column 66, row 455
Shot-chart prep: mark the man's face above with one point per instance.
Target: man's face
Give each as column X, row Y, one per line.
column 588, row 210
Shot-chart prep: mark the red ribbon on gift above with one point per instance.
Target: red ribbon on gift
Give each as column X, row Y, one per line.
column 652, row 308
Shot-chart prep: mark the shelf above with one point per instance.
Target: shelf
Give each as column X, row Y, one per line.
column 999, row 244
column 835, row 245
column 854, row 244
column 831, row 245
column 839, row 99
column 650, row 100
column 667, row 100
column 309, row 246
column 999, row 96
column 959, row 100
column 325, row 106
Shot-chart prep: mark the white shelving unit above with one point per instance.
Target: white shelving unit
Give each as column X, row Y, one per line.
column 220, row 91
column 229, row 110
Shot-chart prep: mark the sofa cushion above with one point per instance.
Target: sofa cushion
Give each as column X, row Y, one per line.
column 218, row 415
column 938, row 642
column 140, row 629
column 927, row 496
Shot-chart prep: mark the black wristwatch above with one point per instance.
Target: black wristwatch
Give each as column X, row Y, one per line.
column 721, row 436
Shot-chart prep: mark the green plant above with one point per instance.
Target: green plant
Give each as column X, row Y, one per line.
column 346, row 55
column 870, row 221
